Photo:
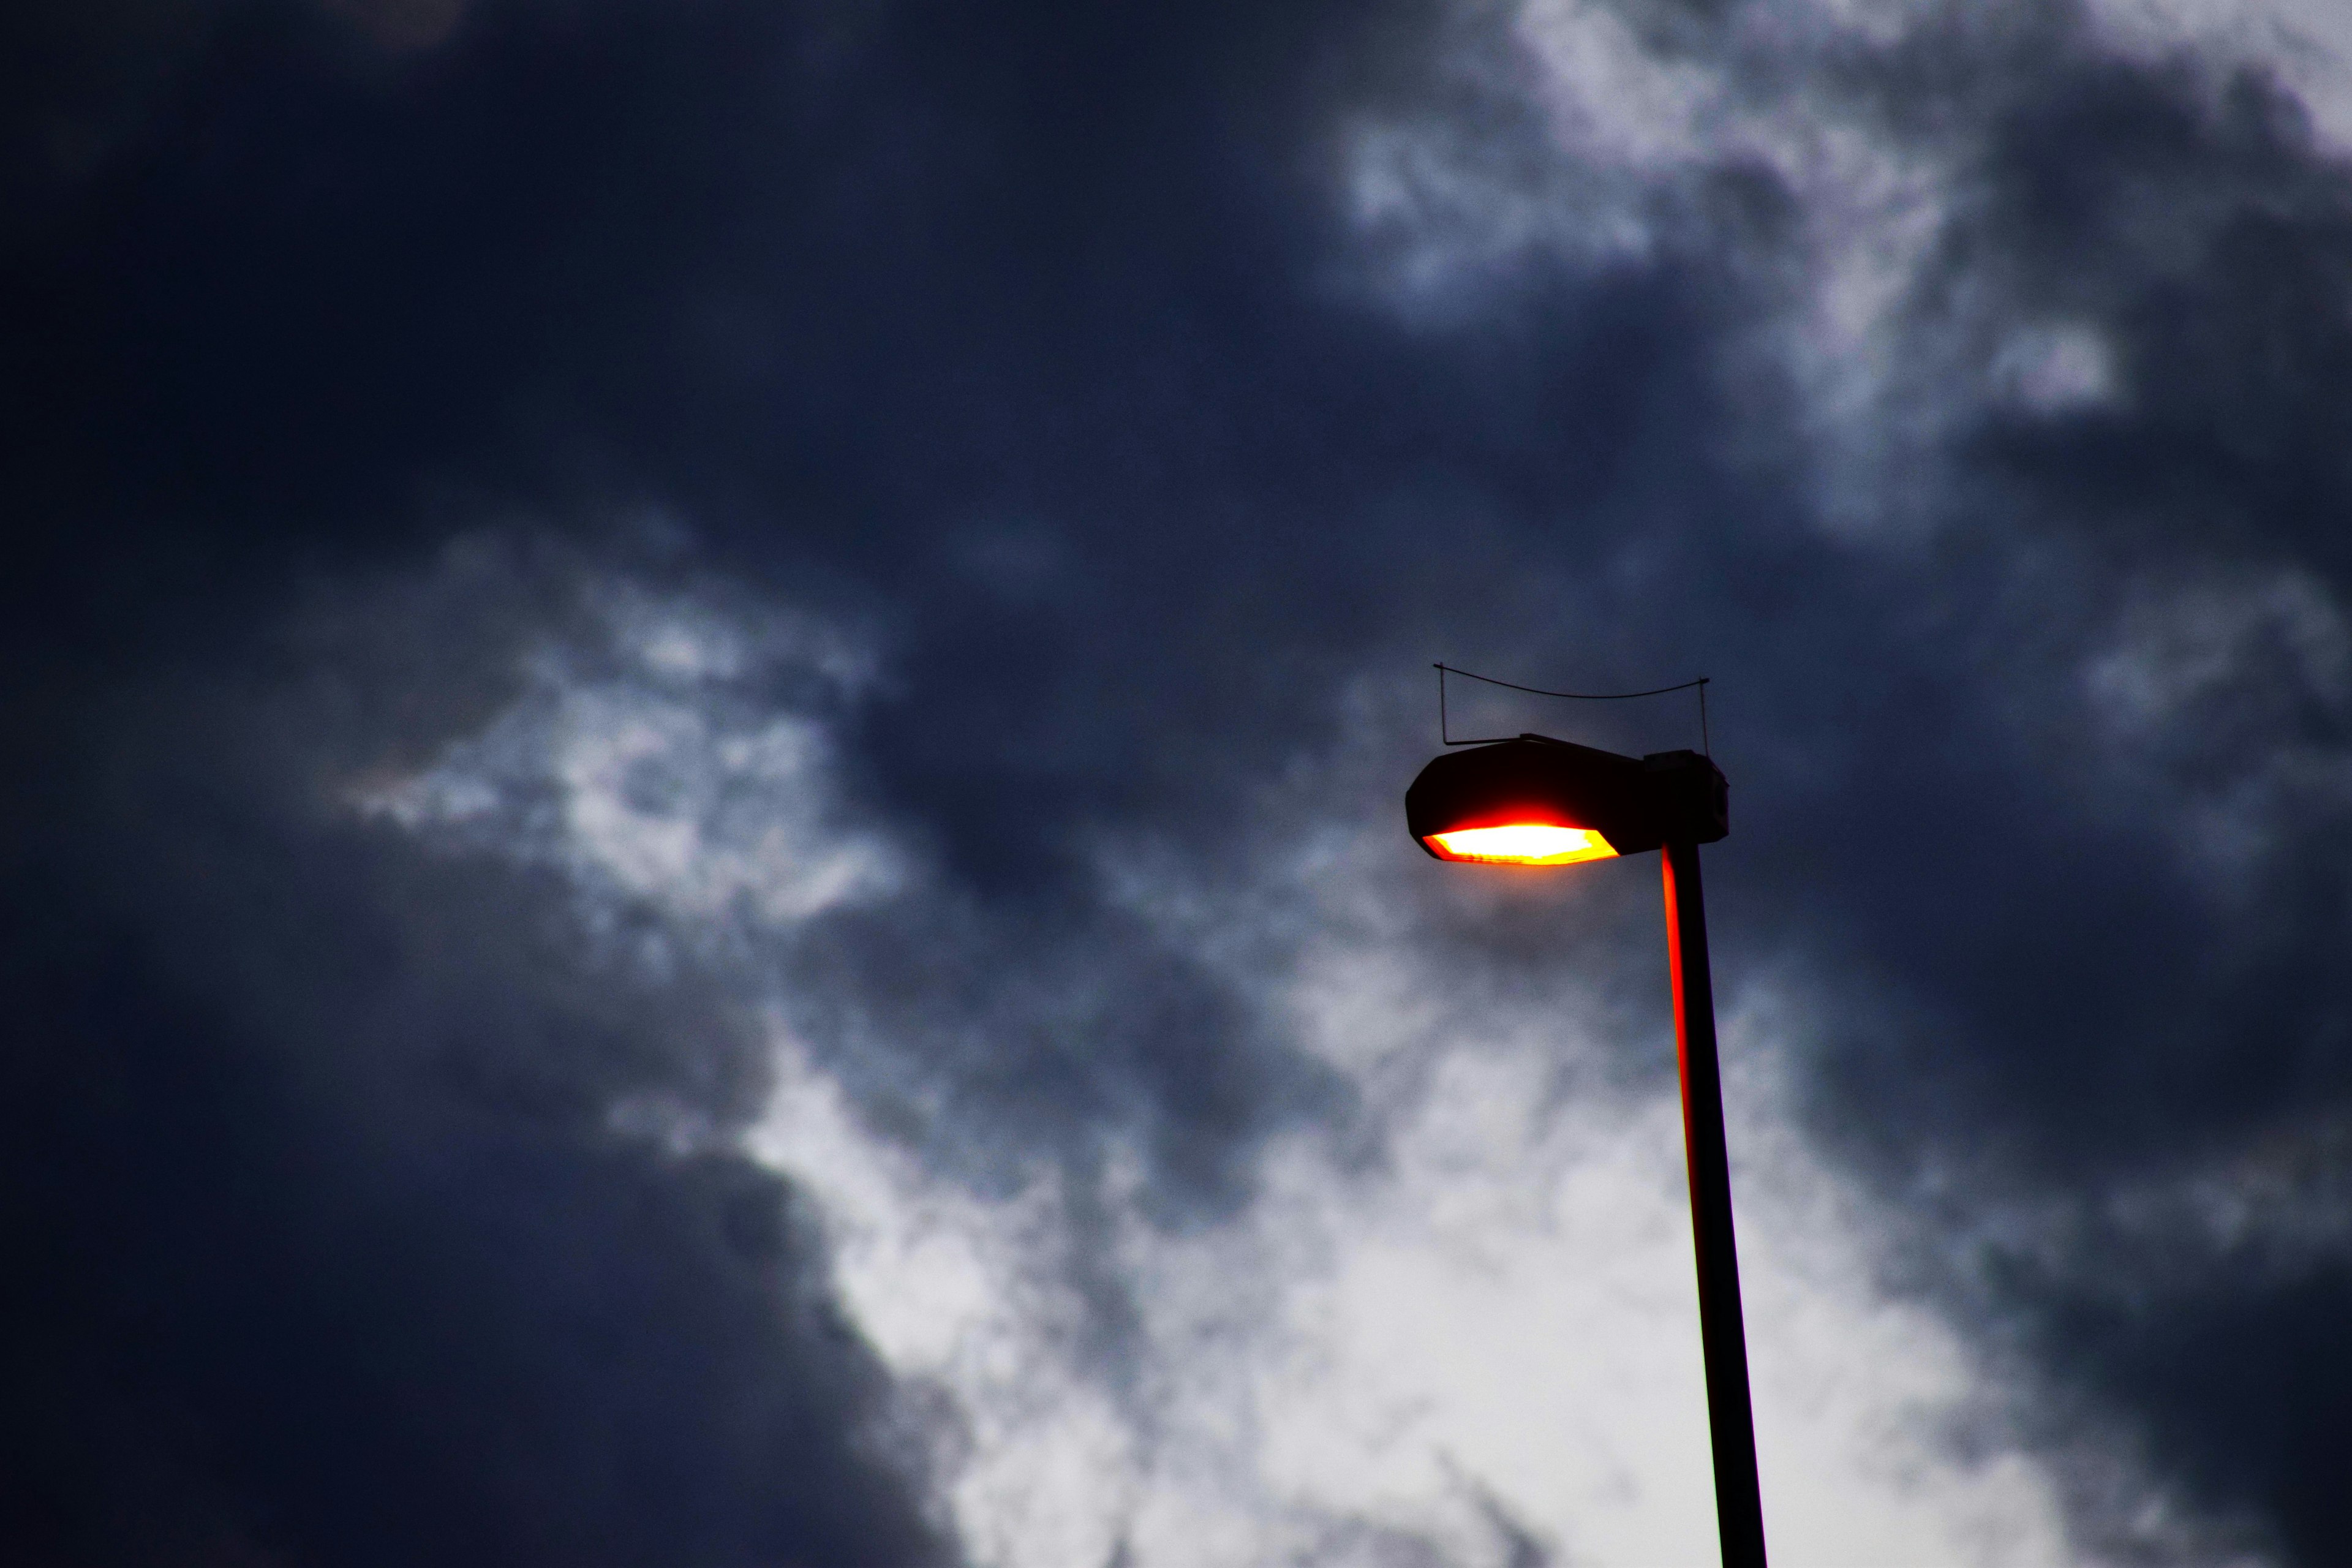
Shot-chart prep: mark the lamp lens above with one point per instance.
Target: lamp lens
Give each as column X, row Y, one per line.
column 1522, row 844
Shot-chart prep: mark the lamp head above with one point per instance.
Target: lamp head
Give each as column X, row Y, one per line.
column 1535, row 801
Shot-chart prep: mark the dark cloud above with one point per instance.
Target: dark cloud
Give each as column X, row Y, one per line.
column 2147, row 1018
column 328, row 1247
column 1039, row 343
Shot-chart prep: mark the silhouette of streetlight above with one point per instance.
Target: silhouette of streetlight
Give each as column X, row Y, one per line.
column 1535, row 801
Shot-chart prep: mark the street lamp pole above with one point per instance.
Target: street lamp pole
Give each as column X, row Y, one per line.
column 1535, row 801
column 1739, row 1499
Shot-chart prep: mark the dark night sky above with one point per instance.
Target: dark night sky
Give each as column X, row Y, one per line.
column 707, row 705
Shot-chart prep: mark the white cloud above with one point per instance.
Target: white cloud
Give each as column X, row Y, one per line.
column 1885, row 353
column 1490, row 1329
column 639, row 761
column 1475, row 1331
column 2176, row 646
column 2199, row 689
column 2055, row 368
column 2305, row 45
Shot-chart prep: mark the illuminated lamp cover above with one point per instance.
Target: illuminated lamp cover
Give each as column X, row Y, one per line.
column 1535, row 801
column 1521, row 843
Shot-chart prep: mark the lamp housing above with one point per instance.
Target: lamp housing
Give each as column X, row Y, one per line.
column 1536, row 801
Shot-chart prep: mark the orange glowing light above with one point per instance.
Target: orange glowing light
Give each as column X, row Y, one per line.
column 1522, row 844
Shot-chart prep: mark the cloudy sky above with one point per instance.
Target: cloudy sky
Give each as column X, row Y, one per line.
column 706, row 706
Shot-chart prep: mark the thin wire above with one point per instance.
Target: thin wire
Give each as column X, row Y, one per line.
column 1444, row 732
column 1447, row 670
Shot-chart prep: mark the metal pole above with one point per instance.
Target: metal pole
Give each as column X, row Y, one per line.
column 1739, row 1500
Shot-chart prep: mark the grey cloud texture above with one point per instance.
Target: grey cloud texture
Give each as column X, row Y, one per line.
column 330, row 1249
column 447, row 899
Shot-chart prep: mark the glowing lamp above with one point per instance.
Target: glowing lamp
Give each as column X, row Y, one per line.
column 1535, row 801
column 1521, row 843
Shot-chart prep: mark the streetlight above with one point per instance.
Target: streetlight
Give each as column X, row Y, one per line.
column 1535, row 801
